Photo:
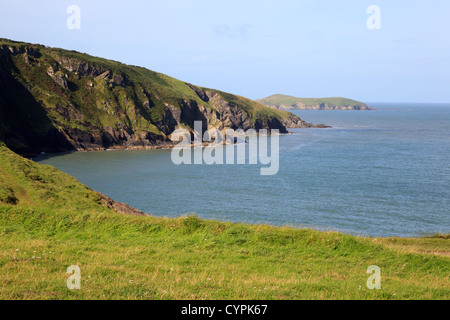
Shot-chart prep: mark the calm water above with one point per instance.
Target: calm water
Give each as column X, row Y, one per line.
column 377, row 173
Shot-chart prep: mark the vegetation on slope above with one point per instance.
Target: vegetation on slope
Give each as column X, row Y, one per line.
column 25, row 183
column 49, row 221
column 55, row 100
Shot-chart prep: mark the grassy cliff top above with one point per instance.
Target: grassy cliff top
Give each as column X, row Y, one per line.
column 49, row 221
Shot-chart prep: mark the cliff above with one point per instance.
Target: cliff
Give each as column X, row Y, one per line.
column 280, row 101
column 54, row 100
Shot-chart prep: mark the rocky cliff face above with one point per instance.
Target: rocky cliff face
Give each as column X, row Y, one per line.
column 54, row 100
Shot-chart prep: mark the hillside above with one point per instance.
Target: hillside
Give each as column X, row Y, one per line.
column 27, row 183
column 280, row 101
column 49, row 221
column 55, row 100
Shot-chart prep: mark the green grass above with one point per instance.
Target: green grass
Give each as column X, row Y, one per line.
column 125, row 257
column 55, row 222
column 27, row 183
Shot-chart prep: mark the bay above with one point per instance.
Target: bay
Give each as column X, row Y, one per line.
column 374, row 173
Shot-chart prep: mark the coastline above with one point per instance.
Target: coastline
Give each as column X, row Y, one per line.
column 165, row 145
column 124, row 254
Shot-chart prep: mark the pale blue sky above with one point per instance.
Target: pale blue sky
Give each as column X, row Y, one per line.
column 257, row 48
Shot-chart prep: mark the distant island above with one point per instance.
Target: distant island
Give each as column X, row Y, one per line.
column 281, row 101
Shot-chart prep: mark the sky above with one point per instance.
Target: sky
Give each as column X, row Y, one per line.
column 320, row 48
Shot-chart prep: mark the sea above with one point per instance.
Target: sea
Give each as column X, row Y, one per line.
column 379, row 173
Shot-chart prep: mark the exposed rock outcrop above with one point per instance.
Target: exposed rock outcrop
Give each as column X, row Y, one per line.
column 119, row 206
column 58, row 77
column 296, row 122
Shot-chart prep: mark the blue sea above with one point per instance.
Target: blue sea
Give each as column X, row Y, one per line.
column 374, row 173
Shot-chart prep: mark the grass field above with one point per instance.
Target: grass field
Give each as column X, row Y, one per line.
column 49, row 221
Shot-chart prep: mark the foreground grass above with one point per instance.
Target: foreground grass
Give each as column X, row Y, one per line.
column 124, row 257
column 49, row 221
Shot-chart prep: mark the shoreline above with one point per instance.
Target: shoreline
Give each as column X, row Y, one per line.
column 42, row 155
